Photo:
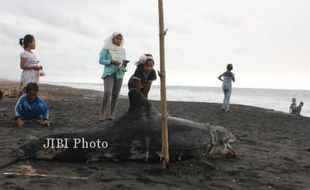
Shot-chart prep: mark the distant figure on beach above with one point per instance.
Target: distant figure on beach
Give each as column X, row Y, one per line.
column 227, row 78
column 144, row 75
column 1, row 95
column 293, row 105
column 297, row 110
column 30, row 107
column 112, row 56
column 29, row 63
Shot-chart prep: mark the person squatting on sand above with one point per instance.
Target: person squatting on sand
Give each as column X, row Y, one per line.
column 297, row 110
column 293, row 105
column 29, row 63
column 144, row 75
column 112, row 56
column 227, row 78
column 30, row 107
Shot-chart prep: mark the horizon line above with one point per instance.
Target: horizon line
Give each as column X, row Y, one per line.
column 195, row 86
column 261, row 88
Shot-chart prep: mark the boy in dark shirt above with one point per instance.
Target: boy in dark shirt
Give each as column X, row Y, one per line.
column 144, row 75
column 293, row 105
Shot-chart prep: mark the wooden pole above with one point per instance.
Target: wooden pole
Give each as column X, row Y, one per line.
column 163, row 103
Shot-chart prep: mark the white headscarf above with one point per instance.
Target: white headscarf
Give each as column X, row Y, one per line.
column 108, row 43
column 117, row 52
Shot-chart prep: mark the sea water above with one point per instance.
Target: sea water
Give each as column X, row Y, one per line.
column 276, row 99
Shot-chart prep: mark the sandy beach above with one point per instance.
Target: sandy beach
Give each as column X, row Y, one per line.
column 273, row 148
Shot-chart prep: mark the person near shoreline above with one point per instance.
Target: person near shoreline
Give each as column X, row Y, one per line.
column 113, row 57
column 29, row 63
column 144, row 75
column 30, row 107
column 297, row 110
column 227, row 78
column 293, row 105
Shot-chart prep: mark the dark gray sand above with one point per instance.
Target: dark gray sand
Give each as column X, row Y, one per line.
column 273, row 149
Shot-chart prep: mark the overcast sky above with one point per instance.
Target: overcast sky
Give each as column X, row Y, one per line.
column 267, row 41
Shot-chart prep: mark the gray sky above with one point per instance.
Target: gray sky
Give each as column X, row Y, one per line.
column 266, row 40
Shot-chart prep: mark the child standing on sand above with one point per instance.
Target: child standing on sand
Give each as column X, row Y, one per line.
column 227, row 78
column 29, row 63
column 30, row 107
column 293, row 105
column 144, row 75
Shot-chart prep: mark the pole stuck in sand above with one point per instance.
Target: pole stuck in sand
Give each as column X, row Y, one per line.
column 163, row 103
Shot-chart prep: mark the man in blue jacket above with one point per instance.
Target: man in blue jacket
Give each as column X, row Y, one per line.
column 30, row 107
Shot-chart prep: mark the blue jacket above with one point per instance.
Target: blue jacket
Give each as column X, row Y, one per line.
column 109, row 69
column 27, row 110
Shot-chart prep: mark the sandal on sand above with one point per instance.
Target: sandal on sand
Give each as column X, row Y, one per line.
column 104, row 117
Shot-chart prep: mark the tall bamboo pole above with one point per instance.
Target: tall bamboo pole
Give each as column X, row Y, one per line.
column 163, row 103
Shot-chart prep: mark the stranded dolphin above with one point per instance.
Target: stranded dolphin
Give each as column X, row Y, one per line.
column 135, row 136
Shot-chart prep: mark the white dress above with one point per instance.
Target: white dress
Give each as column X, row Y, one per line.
column 29, row 76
